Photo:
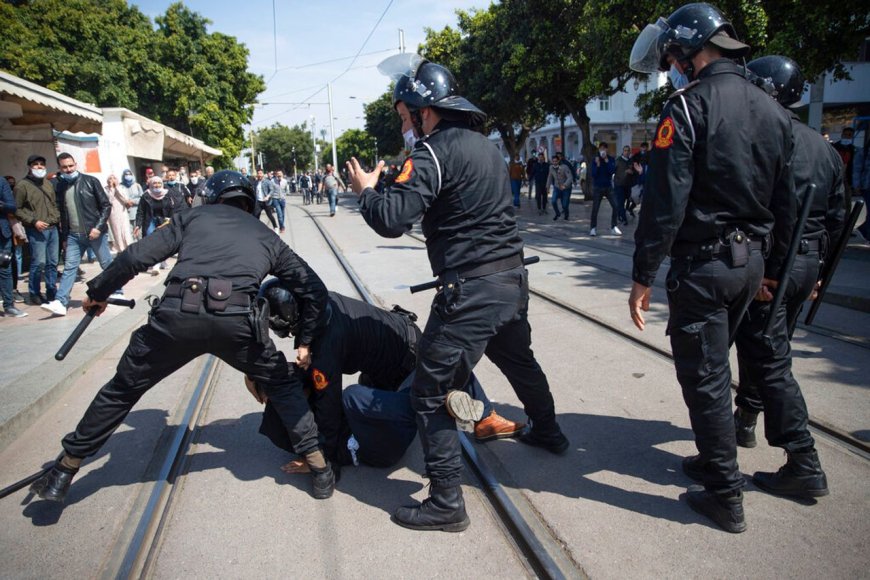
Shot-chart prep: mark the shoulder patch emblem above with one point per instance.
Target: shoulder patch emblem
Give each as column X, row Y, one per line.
column 665, row 134
column 407, row 168
column 319, row 379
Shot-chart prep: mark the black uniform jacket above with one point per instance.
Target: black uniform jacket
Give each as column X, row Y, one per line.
column 92, row 204
column 816, row 161
column 221, row 241
column 457, row 181
column 358, row 338
column 721, row 160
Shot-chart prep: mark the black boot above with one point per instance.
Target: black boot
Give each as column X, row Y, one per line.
column 444, row 510
column 801, row 476
column 724, row 509
column 324, row 476
column 550, row 439
column 744, row 425
column 53, row 485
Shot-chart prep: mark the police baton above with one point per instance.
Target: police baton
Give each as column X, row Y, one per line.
column 789, row 259
column 84, row 323
column 434, row 283
column 830, row 266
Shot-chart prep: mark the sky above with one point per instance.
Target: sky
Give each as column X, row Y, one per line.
column 315, row 44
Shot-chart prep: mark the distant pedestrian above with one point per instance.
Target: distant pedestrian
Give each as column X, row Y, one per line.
column 623, row 180
column 119, row 222
column 562, row 179
column 602, row 169
column 156, row 208
column 542, row 173
column 133, row 192
column 516, row 171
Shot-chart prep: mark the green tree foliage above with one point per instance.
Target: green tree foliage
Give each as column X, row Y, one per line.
column 355, row 143
column 279, row 144
column 383, row 124
column 109, row 53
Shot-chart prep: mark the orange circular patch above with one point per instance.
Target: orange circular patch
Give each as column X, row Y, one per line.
column 319, row 379
column 665, row 134
column 407, row 168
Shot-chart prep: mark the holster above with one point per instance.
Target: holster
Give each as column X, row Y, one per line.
column 260, row 320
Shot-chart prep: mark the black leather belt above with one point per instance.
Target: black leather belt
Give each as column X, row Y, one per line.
column 808, row 246
column 502, row 265
column 176, row 289
column 708, row 250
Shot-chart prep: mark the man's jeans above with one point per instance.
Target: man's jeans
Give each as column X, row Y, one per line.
column 6, row 273
column 44, row 250
column 620, row 194
column 76, row 245
column 280, row 206
column 516, row 184
column 562, row 196
column 597, row 194
column 332, row 194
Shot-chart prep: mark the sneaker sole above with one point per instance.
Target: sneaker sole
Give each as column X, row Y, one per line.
column 455, row 527
column 803, row 494
column 495, row 436
column 462, row 407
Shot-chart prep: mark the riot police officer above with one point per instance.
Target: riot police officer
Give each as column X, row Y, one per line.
column 381, row 345
column 206, row 308
column 719, row 182
column 457, row 182
column 766, row 380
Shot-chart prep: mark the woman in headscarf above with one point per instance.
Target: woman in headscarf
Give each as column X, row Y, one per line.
column 155, row 209
column 133, row 192
column 118, row 222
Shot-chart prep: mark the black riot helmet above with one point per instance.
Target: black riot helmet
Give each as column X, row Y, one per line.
column 283, row 310
column 683, row 34
column 227, row 184
column 780, row 76
column 420, row 83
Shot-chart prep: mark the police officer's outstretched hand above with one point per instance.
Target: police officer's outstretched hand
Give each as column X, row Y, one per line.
column 639, row 301
column 359, row 179
column 88, row 303
column 303, row 356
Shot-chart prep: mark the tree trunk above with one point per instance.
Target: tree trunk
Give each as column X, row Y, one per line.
column 578, row 113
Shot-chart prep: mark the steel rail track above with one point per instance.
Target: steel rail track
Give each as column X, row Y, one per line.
column 541, row 553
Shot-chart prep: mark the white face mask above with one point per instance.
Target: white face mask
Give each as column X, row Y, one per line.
column 678, row 79
column 38, row 173
column 603, row 153
column 410, row 139
column 843, row 141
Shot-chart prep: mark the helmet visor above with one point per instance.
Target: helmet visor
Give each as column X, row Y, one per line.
column 648, row 49
column 401, row 65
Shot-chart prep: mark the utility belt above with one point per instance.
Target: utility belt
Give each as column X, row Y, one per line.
column 453, row 275
column 736, row 247
column 809, row 246
column 215, row 294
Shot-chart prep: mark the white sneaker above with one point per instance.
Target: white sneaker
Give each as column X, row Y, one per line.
column 593, row 233
column 55, row 307
column 616, row 231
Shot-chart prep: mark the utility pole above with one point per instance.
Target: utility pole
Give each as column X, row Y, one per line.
column 401, row 40
column 314, row 141
column 332, row 128
column 253, row 156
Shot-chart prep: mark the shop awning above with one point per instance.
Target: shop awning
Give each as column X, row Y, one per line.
column 43, row 106
column 149, row 139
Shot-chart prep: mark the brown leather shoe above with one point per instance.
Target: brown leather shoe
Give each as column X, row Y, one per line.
column 497, row 427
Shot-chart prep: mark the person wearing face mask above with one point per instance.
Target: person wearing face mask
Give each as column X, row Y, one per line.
column 456, row 181
column 84, row 215
column 196, row 187
column 720, row 202
column 602, row 170
column 177, row 190
column 36, row 208
column 156, row 208
column 133, row 192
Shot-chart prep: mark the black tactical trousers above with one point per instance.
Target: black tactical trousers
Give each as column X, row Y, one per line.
column 707, row 299
column 170, row 340
column 480, row 316
column 766, row 380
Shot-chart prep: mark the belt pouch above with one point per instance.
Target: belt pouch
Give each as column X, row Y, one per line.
column 260, row 321
column 218, row 294
column 191, row 295
column 738, row 245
